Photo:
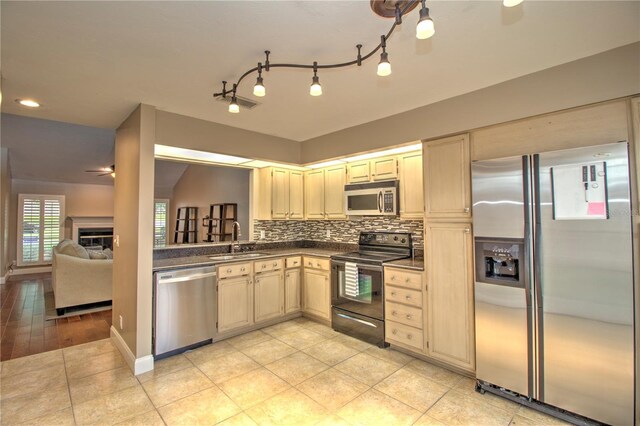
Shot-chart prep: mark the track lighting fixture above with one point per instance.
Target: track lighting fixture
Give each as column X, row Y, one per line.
column 258, row 89
column 233, row 106
column 316, row 88
column 384, row 66
column 425, row 28
column 385, row 8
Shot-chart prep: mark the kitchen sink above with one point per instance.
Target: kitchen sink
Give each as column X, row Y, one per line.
column 236, row 256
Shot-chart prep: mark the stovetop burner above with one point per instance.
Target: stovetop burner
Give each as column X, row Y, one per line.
column 379, row 247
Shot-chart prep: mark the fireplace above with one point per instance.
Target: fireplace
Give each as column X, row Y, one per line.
column 91, row 232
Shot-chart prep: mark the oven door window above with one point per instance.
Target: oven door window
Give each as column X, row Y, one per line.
column 365, row 289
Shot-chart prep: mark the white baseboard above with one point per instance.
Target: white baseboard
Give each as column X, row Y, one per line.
column 27, row 271
column 137, row 365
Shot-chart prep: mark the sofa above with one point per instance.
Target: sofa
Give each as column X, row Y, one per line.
column 80, row 277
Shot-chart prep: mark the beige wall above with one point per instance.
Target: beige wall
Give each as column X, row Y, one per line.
column 5, row 197
column 133, row 222
column 609, row 75
column 187, row 132
column 201, row 186
column 80, row 200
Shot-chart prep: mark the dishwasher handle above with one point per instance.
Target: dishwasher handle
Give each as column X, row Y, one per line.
column 183, row 278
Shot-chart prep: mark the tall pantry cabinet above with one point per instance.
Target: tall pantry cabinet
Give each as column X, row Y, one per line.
column 449, row 320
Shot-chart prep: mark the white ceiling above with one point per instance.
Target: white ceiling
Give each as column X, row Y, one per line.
column 91, row 62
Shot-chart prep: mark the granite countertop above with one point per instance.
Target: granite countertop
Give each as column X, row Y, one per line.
column 415, row 263
column 189, row 261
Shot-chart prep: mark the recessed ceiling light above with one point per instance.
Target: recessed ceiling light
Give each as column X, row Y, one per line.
column 28, row 103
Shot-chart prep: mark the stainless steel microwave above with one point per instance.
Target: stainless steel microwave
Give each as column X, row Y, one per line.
column 372, row 199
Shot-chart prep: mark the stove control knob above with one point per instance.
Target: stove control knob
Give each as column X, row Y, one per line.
column 404, row 240
column 395, row 238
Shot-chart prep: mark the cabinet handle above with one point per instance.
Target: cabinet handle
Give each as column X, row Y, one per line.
column 257, row 280
column 394, row 313
column 407, row 280
column 409, row 336
column 287, row 275
column 242, row 269
column 394, row 332
column 295, row 263
column 467, row 210
column 408, row 316
column 228, row 270
column 264, row 266
column 318, row 265
column 408, row 297
column 393, row 277
column 393, row 293
column 275, row 263
column 467, row 230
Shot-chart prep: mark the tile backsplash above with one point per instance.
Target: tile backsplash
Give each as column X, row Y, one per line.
column 342, row 231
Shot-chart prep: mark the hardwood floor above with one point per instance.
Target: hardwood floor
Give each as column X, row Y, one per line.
column 24, row 329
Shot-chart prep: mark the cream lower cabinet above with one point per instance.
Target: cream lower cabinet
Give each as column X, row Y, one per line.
column 449, row 266
column 235, row 302
column 269, row 295
column 317, row 287
column 292, row 289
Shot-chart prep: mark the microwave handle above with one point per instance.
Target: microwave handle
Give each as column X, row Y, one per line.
column 380, row 201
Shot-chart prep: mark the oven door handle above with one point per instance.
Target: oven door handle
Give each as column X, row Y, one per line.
column 380, row 201
column 370, row 324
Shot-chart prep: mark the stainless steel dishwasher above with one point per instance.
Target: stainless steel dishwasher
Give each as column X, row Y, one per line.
column 185, row 309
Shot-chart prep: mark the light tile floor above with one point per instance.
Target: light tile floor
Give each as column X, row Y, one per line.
column 294, row 373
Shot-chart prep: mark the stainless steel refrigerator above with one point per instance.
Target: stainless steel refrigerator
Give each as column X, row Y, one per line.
column 554, row 301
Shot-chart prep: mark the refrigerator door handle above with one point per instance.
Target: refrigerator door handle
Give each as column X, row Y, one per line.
column 537, row 273
column 526, row 192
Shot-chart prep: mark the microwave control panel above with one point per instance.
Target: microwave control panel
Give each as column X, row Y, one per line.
column 388, row 201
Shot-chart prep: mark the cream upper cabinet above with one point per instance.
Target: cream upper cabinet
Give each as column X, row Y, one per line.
column 411, row 186
column 235, row 303
column 280, row 194
column 384, row 168
column 314, row 194
column 359, row 171
column 296, row 195
column 292, row 290
column 334, row 181
column 269, row 295
column 450, row 321
column 447, row 179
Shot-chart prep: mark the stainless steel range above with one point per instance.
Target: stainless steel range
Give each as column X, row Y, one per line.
column 357, row 284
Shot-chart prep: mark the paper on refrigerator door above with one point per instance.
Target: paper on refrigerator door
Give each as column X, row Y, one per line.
column 351, row 287
column 579, row 191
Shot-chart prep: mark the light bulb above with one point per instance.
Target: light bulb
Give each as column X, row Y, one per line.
column 316, row 88
column 511, row 3
column 28, row 103
column 258, row 89
column 384, row 66
column 233, row 106
column 425, row 28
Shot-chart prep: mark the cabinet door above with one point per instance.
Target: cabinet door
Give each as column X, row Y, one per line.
column 292, row 290
column 450, row 293
column 279, row 193
column 334, row 180
column 235, row 303
column 359, row 172
column 269, row 295
column 384, row 168
column 447, row 178
column 317, row 299
column 296, row 195
column 411, row 187
column 314, row 194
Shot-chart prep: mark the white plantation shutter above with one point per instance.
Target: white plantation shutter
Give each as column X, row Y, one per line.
column 39, row 227
column 160, row 220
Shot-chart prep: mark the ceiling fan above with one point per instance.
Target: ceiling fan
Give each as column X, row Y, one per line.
column 111, row 170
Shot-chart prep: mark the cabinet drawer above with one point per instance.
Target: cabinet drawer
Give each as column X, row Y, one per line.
column 402, row 295
column 403, row 334
column 407, row 315
column 403, row 278
column 316, row 263
column 293, row 262
column 268, row 265
column 234, row 270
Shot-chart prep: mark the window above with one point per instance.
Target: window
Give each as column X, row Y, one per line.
column 160, row 221
column 40, row 221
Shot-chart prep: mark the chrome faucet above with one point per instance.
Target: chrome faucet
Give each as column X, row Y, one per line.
column 235, row 234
